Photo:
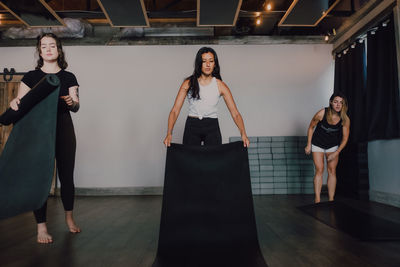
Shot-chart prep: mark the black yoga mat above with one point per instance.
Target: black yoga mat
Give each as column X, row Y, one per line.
column 359, row 224
column 40, row 91
column 207, row 214
column 27, row 161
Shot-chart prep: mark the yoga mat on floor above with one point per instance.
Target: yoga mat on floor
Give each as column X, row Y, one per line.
column 359, row 224
column 27, row 161
column 207, row 216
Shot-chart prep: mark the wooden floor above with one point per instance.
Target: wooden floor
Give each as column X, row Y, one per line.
column 123, row 231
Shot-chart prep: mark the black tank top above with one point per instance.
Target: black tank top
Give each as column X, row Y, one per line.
column 67, row 80
column 326, row 135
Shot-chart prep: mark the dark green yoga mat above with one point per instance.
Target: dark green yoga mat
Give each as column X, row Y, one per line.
column 27, row 161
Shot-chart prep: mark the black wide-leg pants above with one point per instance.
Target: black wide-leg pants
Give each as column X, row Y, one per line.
column 205, row 130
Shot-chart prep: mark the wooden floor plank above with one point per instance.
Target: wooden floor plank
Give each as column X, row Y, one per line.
column 123, row 231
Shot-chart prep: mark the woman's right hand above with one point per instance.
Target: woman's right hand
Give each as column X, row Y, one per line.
column 14, row 103
column 167, row 140
column 307, row 149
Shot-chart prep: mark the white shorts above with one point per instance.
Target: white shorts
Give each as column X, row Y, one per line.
column 319, row 149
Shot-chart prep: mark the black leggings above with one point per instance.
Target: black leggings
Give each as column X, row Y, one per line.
column 205, row 130
column 65, row 159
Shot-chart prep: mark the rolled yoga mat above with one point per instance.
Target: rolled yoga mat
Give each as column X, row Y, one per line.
column 40, row 91
column 27, row 161
column 207, row 216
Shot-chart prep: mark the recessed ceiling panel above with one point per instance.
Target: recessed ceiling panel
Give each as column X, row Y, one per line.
column 307, row 12
column 33, row 13
column 124, row 13
column 217, row 12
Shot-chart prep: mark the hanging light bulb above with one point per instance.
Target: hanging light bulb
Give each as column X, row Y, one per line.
column 269, row 6
column 326, row 38
column 258, row 20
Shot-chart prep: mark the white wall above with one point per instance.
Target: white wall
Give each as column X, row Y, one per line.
column 126, row 93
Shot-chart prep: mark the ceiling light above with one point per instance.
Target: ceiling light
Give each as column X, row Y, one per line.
column 385, row 23
column 269, row 6
column 373, row 30
column 353, row 45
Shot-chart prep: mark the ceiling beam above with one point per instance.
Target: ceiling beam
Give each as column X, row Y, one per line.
column 359, row 21
column 108, row 38
column 33, row 13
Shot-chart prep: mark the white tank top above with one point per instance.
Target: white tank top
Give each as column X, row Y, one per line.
column 206, row 106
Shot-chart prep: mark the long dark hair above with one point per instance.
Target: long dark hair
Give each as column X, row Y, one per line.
column 194, row 88
column 62, row 63
column 343, row 112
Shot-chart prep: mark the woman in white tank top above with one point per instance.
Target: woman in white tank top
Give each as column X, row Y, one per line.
column 203, row 90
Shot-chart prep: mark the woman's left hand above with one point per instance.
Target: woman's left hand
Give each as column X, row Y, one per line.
column 246, row 142
column 68, row 100
column 333, row 156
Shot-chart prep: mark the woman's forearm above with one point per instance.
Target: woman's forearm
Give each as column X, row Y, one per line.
column 309, row 135
column 171, row 122
column 342, row 144
column 240, row 124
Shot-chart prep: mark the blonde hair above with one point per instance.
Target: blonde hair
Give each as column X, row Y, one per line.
column 343, row 111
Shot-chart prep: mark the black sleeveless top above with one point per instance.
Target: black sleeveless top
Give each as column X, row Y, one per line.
column 326, row 135
column 67, row 80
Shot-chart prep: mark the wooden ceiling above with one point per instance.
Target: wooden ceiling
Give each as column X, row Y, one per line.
column 240, row 15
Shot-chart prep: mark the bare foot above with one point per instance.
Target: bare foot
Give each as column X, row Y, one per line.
column 69, row 220
column 43, row 236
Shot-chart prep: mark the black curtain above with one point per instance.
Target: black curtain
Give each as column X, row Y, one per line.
column 350, row 79
column 383, row 112
column 367, row 75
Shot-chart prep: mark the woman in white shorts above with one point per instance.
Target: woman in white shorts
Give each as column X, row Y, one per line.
column 332, row 128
